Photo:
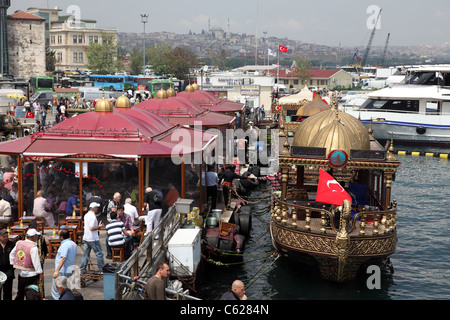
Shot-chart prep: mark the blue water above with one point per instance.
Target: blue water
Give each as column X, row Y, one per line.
column 421, row 261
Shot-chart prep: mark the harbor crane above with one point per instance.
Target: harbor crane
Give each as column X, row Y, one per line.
column 369, row 45
column 385, row 49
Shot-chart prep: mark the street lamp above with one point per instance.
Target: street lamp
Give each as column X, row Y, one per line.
column 144, row 17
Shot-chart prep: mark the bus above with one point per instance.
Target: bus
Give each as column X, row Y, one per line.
column 41, row 83
column 131, row 82
column 144, row 83
column 114, row 82
column 158, row 84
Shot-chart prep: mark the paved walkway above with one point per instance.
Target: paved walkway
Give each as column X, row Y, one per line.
column 92, row 290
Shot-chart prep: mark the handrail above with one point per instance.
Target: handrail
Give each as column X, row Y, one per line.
column 153, row 254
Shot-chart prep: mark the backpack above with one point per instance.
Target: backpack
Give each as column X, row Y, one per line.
column 104, row 209
column 157, row 199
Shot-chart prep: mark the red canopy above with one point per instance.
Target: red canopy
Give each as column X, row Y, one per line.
column 210, row 101
column 185, row 112
column 119, row 134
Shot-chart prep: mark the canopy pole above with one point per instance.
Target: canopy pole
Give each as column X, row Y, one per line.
column 20, row 186
column 141, row 182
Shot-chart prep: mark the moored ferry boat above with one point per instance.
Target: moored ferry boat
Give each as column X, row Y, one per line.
column 416, row 112
column 334, row 240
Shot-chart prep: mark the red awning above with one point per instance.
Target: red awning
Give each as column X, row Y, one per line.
column 16, row 146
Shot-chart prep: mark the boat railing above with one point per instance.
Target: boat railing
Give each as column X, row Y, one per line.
column 317, row 217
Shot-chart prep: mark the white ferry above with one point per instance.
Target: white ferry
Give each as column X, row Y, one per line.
column 416, row 111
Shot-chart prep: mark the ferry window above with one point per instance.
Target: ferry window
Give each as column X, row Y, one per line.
column 433, row 107
column 392, row 105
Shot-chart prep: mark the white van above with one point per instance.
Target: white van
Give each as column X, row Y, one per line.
column 91, row 94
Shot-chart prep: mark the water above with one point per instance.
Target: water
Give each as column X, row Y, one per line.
column 421, row 261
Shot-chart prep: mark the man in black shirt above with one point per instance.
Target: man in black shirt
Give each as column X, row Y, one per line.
column 153, row 204
column 6, row 247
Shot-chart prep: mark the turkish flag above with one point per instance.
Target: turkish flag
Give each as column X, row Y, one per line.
column 330, row 191
column 29, row 115
column 282, row 48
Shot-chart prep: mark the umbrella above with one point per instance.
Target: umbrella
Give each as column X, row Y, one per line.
column 16, row 96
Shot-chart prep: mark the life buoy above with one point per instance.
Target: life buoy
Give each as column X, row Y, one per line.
column 421, row 129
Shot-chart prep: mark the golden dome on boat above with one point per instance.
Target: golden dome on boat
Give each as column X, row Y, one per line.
column 195, row 86
column 333, row 130
column 171, row 92
column 316, row 105
column 189, row 88
column 123, row 102
column 161, row 94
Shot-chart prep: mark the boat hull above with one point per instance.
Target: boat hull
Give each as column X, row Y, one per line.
column 320, row 253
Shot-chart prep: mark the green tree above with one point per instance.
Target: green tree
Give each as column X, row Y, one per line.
column 102, row 57
column 158, row 57
column 302, row 68
column 180, row 60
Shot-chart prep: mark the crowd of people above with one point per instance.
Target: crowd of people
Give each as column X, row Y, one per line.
column 27, row 256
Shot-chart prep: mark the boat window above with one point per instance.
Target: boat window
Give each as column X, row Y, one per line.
column 433, row 107
column 392, row 105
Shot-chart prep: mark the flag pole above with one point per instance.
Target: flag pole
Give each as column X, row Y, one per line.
column 278, row 67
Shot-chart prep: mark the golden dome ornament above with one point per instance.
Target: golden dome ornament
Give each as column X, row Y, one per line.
column 161, row 94
column 171, row 92
column 104, row 105
column 123, row 101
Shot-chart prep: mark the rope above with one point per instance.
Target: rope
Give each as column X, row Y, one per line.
column 264, row 197
column 265, row 270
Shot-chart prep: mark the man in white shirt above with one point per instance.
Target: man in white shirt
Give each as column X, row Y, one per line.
column 90, row 238
column 25, row 258
column 130, row 210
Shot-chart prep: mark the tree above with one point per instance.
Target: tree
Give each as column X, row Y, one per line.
column 50, row 60
column 302, row 68
column 180, row 60
column 102, row 57
column 158, row 58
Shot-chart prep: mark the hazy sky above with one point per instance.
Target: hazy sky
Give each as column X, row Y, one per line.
column 330, row 22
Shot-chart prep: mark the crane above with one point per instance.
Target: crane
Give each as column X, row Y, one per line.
column 385, row 50
column 366, row 53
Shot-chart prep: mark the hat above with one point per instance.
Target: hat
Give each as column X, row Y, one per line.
column 3, row 231
column 94, row 205
column 32, row 232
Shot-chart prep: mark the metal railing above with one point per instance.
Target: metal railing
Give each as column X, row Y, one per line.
column 287, row 213
column 152, row 251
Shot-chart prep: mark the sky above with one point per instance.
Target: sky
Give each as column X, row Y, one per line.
column 328, row 22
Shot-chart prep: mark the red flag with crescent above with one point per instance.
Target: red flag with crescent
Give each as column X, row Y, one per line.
column 330, row 191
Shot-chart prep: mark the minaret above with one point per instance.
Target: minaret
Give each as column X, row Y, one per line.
column 4, row 57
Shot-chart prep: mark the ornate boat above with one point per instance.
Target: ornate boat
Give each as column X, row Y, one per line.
column 335, row 241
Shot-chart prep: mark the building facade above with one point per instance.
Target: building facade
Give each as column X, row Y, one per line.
column 4, row 61
column 321, row 78
column 246, row 85
column 26, row 44
column 71, row 39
